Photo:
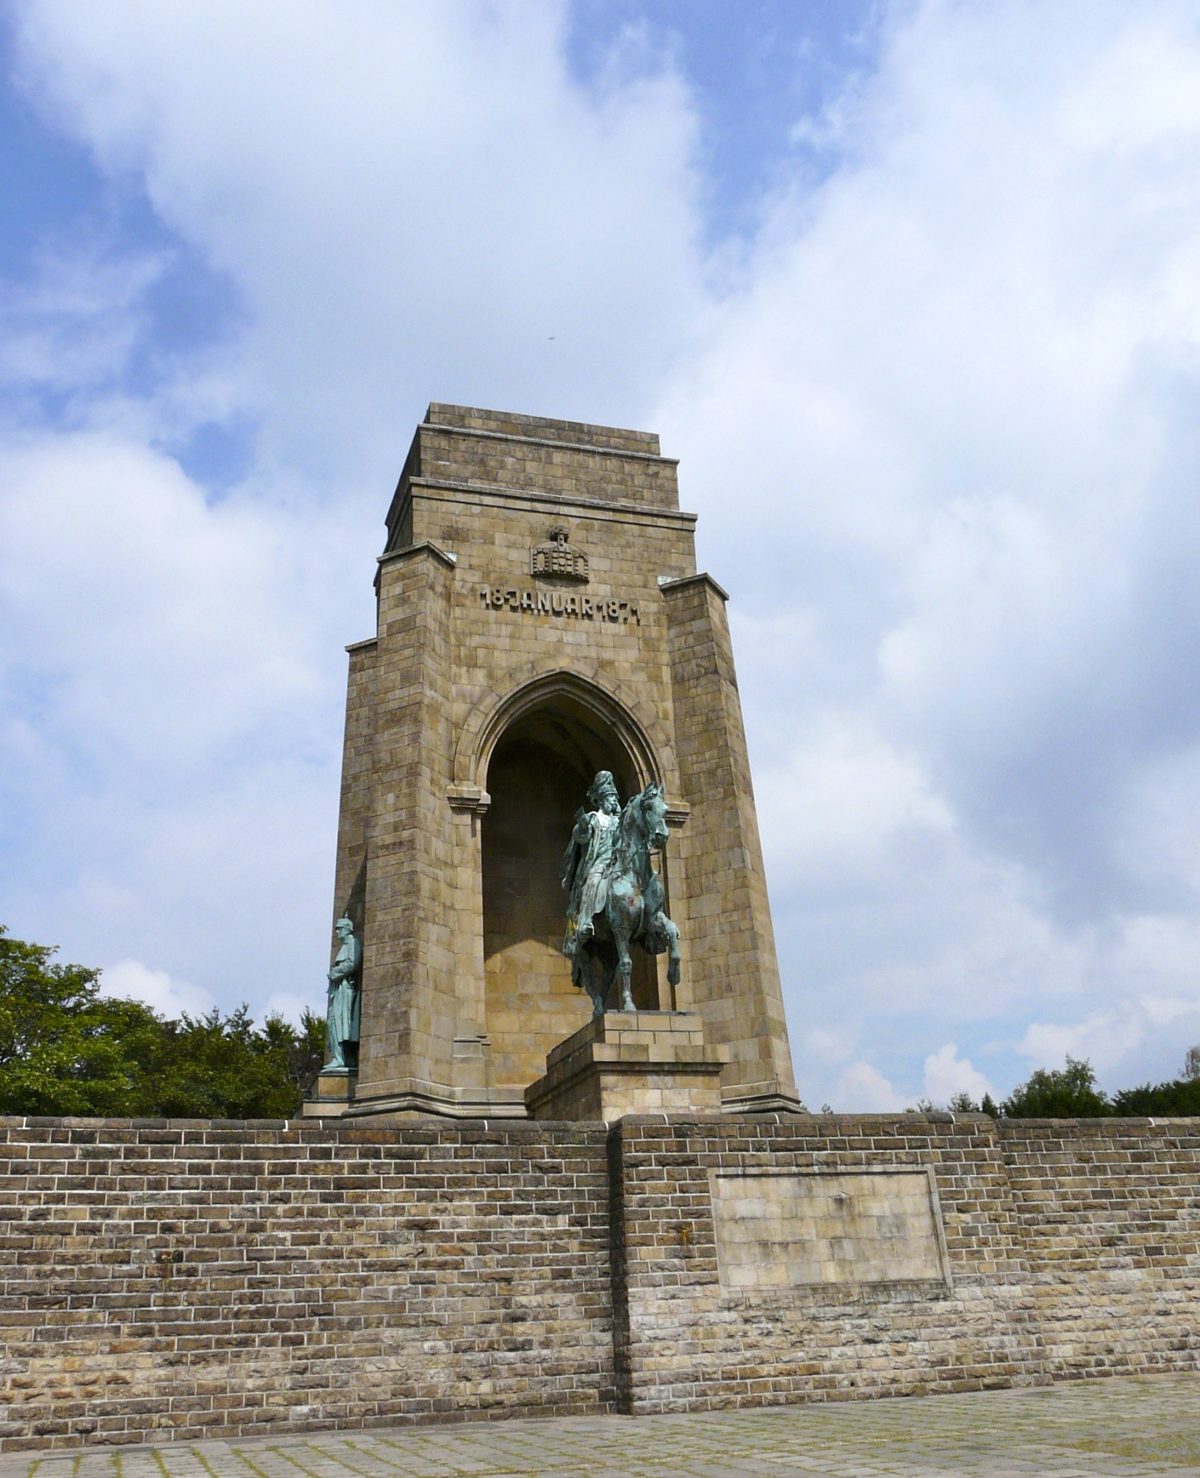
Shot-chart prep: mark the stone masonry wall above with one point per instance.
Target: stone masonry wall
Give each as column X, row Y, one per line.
column 1110, row 1217
column 693, row 1343
column 193, row 1279
column 1071, row 1249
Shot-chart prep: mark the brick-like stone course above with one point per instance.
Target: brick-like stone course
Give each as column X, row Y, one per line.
column 1073, row 1250
column 1110, row 1213
column 691, row 1344
column 195, row 1279
column 630, row 1063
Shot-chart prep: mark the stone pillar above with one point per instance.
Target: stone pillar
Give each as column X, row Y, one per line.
column 732, row 972
column 472, row 1054
column 334, row 1092
column 358, row 786
column 409, row 1009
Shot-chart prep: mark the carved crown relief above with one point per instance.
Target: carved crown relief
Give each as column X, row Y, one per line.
column 558, row 558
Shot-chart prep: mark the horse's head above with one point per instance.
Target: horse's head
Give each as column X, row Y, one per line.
column 644, row 825
column 654, row 817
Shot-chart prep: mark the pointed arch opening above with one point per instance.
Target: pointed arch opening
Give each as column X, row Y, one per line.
column 540, row 763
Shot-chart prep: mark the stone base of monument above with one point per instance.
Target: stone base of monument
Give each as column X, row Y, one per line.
column 630, row 1062
column 761, row 1098
column 331, row 1095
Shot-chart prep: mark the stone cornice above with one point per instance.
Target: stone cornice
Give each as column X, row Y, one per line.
column 505, row 492
column 678, row 582
column 424, row 546
column 552, row 442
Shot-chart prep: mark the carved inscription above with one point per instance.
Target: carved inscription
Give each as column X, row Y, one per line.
column 786, row 1230
column 558, row 603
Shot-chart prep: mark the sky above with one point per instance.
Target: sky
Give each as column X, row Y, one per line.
column 912, row 290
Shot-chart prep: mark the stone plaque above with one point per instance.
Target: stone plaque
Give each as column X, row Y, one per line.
column 800, row 1229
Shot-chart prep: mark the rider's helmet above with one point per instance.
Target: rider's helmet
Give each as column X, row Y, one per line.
column 603, row 785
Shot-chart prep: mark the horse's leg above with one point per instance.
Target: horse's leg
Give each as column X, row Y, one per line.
column 598, row 993
column 623, row 913
column 610, row 975
column 623, row 966
column 583, row 976
column 670, row 932
column 626, row 993
column 625, row 969
column 622, row 931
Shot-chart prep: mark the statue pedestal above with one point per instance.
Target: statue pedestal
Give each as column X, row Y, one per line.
column 332, row 1094
column 630, row 1062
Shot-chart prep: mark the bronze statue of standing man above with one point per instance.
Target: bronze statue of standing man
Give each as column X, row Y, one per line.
column 342, row 1018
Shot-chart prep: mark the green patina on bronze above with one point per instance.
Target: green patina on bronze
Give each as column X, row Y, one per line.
column 345, row 1000
column 615, row 897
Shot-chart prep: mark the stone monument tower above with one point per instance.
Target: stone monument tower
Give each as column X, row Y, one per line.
column 540, row 618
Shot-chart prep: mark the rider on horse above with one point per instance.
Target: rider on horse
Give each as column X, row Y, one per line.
column 587, row 863
column 616, row 898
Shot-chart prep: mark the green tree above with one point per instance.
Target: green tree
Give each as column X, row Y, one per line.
column 1180, row 1098
column 1058, row 1093
column 66, row 1049
column 1191, row 1062
column 213, row 1067
column 223, row 1067
column 963, row 1103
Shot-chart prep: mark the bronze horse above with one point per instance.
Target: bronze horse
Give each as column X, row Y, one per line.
column 633, row 910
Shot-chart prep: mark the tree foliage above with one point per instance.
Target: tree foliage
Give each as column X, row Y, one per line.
column 1071, row 1093
column 66, row 1049
column 963, row 1103
column 1058, row 1093
column 224, row 1067
column 1175, row 1099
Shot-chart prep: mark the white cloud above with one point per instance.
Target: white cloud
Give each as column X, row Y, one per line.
column 424, row 204
column 175, row 673
column 78, row 322
column 938, row 418
column 1112, row 1035
column 170, row 998
column 845, row 800
column 862, row 1089
column 172, row 626
column 964, row 525
column 828, row 1045
column 947, row 1074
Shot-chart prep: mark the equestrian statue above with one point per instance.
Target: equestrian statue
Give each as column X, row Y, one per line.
column 616, row 897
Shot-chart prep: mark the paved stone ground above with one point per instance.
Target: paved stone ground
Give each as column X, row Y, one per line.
column 1139, row 1426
